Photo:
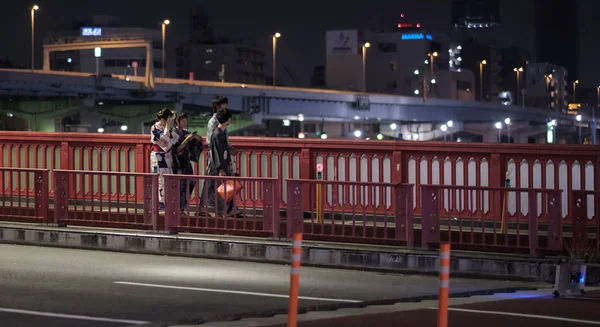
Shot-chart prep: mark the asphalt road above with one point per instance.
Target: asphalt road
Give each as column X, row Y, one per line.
column 42, row 286
column 544, row 311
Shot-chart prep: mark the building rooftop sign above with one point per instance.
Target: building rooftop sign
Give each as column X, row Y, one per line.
column 416, row 36
column 91, row 31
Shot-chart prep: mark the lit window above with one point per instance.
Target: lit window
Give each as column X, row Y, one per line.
column 209, row 50
column 208, row 62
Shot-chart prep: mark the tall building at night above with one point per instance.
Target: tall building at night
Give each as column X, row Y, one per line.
column 475, row 14
column 208, row 58
column 546, row 86
column 557, row 34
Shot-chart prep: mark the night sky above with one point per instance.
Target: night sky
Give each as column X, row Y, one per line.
column 302, row 23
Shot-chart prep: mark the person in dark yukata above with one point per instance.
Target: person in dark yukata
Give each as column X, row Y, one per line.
column 182, row 157
column 217, row 104
column 219, row 163
column 163, row 138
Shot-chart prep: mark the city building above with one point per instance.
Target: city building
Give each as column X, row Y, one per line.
column 124, row 61
column 206, row 57
column 405, row 62
column 486, row 64
column 475, row 14
column 228, row 62
column 546, row 86
column 556, row 24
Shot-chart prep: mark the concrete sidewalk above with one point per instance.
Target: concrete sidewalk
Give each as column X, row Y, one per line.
column 325, row 254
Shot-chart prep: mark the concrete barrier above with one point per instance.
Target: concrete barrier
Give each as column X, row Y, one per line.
column 321, row 254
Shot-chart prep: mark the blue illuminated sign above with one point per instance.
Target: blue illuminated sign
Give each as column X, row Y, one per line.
column 91, row 31
column 416, row 36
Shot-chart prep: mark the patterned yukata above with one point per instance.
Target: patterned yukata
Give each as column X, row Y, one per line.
column 161, row 158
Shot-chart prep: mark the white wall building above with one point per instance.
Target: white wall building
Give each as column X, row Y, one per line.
column 395, row 63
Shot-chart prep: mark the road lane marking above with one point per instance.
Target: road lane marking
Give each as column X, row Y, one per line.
column 235, row 292
column 68, row 316
column 524, row 315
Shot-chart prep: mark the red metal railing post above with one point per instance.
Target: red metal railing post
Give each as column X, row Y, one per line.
column 150, row 187
column 579, row 221
column 41, row 195
column 295, row 213
column 172, row 210
column 555, row 223
column 61, row 196
column 271, row 215
column 140, row 160
column 533, row 221
column 307, row 171
column 430, row 215
column 404, row 213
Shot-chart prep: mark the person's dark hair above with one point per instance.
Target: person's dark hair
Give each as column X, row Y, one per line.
column 219, row 101
column 181, row 116
column 164, row 113
column 223, row 115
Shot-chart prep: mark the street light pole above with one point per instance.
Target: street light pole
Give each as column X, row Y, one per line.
column 275, row 37
column 481, row 63
column 33, row 9
column 164, row 34
column 364, row 66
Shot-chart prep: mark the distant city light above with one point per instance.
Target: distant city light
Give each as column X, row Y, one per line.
column 357, row 133
column 300, row 117
column 433, row 81
column 324, row 136
column 450, row 123
column 415, row 137
column 380, row 136
column 498, row 125
column 286, row 122
column 417, row 92
column 393, row 126
column 578, row 117
column 69, row 60
column 356, row 118
column 507, row 121
column 416, row 72
column 301, row 135
column 444, row 128
column 124, row 127
column 100, row 130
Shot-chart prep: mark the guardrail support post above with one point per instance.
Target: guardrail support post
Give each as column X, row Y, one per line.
column 430, row 215
column 404, row 213
column 41, row 195
column 61, row 196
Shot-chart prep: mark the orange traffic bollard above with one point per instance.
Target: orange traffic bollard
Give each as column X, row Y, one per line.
column 295, row 280
column 444, row 285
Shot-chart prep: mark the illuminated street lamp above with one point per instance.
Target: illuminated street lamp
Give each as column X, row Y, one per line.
column 357, row 133
column 97, row 54
column 444, row 128
column 498, row 126
column 481, row 63
column 507, row 123
column 164, row 32
column 578, row 119
column 323, row 136
column 275, row 37
column 364, row 65
column 33, row 10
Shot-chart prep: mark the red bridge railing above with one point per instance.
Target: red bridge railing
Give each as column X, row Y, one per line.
column 470, row 217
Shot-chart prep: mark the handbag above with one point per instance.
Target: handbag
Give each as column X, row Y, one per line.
column 229, row 189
